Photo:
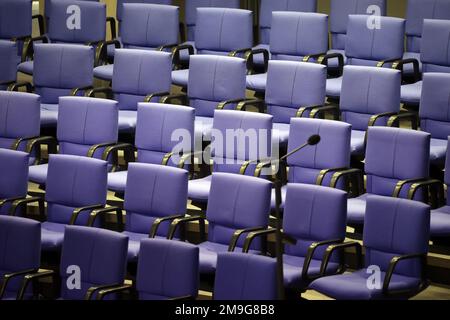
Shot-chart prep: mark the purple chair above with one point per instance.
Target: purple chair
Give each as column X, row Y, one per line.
column 92, row 30
column 159, row 34
column 433, row 55
column 167, row 270
column 8, row 63
column 396, row 242
column 310, row 38
column 153, row 140
column 220, row 32
column 48, row 5
column 75, row 187
column 121, row 3
column 16, row 130
column 138, row 76
column 368, row 47
column 242, row 276
column 86, row 126
column 395, row 160
column 154, row 196
column 237, row 205
column 230, row 153
column 101, row 257
column 17, row 263
column 14, row 181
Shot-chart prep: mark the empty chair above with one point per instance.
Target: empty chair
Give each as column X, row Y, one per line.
column 237, row 205
column 91, row 31
column 310, row 38
column 219, row 31
column 160, row 32
column 100, row 256
column 167, row 270
column 8, row 63
column 241, row 276
column 120, row 5
column 433, row 55
column 75, row 187
column 138, row 75
column 48, row 5
column 156, row 123
column 15, row 262
column 14, row 182
column 396, row 242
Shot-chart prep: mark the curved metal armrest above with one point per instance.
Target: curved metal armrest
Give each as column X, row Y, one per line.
column 238, row 233
column 177, row 222
column 415, row 63
column 31, row 277
column 149, row 97
column 437, row 191
column 400, row 184
column 92, row 290
column 324, row 172
column 329, row 251
column 128, row 150
column 107, row 91
column 223, row 104
column 35, row 144
column 158, row 221
column 21, row 202
column 101, row 53
column 112, row 26
column 381, row 64
column 166, row 47
column 324, row 60
column 310, row 254
column 373, row 119
column 118, row 211
column 166, row 158
column 75, row 91
column 76, row 212
column 186, row 156
column 411, row 116
column 18, row 141
column 356, row 177
column 252, row 235
column 17, row 85
column 40, row 20
column 320, row 111
column 234, row 53
column 313, row 56
column 176, row 54
column 28, row 49
column 10, row 200
column 95, row 147
column 248, row 55
column 393, row 263
column 114, row 289
column 9, row 276
column 301, row 111
column 260, row 104
column 182, row 97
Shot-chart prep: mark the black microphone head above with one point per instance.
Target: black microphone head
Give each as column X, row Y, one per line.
column 314, row 139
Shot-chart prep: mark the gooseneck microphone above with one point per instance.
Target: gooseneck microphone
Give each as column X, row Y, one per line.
column 312, row 141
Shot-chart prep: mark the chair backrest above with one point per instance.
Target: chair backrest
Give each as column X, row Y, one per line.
column 92, row 22
column 339, row 12
column 20, row 249
column 236, row 202
column 14, row 173
column 59, row 68
column 74, row 182
column 238, row 136
column 394, row 154
column 222, row 30
column 395, row 227
column 159, row 129
column 333, row 150
column 100, row 255
column 241, row 276
column 367, row 91
column 291, row 85
column 190, row 14
column 8, row 62
column 84, row 122
column 214, row 79
column 15, row 18
column 138, row 73
column 417, row 11
column 120, row 3
column 435, row 46
column 167, row 269
column 366, row 46
column 20, row 114
column 267, row 7
column 48, row 5
column 313, row 214
column 296, row 34
column 154, row 191
column 149, row 26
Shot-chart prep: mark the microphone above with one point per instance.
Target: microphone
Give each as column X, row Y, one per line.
column 312, row 141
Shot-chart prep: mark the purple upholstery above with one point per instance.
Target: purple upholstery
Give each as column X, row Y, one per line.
column 311, row 214
column 120, row 3
column 15, row 232
column 14, row 173
column 48, row 5
column 393, row 227
column 100, row 254
column 8, row 63
column 241, row 276
column 368, row 91
column 152, row 191
column 232, row 206
column 15, row 18
column 167, row 269
column 392, row 155
column 72, row 182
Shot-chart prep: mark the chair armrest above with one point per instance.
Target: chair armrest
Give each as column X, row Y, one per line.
column 93, row 215
column 128, row 150
column 357, row 180
column 302, row 110
column 101, row 53
column 19, row 141
column 393, row 263
column 177, row 222
column 95, row 147
column 10, row 200
column 76, row 212
column 437, row 191
column 17, row 85
column 9, row 276
column 107, row 91
column 31, row 277
column 412, row 117
column 415, row 63
column 168, row 47
column 18, row 203
column 186, row 156
column 112, row 25
column 339, row 246
column 149, row 97
column 373, row 119
column 75, row 91
column 324, row 172
column 158, row 221
column 92, row 290
column 234, row 53
column 260, row 104
column 223, row 104
column 400, row 184
column 248, row 55
column 381, row 64
column 252, row 235
column 310, row 254
column 238, row 233
column 324, row 60
column 35, row 144
column 320, row 111
column 28, row 49
column 313, row 56
column 115, row 289
column 176, row 54
column 182, row 97
column 40, row 20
